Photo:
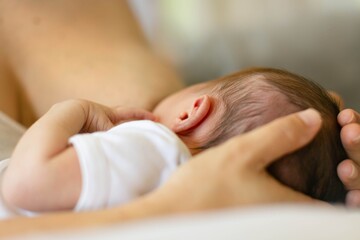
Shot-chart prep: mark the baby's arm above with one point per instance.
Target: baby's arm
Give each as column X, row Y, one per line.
column 44, row 172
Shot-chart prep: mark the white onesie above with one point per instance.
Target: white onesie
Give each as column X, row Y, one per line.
column 121, row 164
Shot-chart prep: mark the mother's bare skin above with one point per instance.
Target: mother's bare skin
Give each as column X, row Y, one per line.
column 55, row 50
column 349, row 170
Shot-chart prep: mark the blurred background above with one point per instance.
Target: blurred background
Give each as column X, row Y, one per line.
column 205, row 39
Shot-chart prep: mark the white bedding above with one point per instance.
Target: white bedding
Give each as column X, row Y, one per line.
column 290, row 222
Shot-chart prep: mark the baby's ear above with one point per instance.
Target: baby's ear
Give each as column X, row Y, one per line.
column 191, row 119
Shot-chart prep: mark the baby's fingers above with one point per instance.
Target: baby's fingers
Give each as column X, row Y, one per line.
column 127, row 114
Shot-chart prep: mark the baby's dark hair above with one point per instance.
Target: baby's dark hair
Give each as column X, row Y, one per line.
column 256, row 96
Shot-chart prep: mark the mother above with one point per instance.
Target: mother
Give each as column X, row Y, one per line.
column 54, row 50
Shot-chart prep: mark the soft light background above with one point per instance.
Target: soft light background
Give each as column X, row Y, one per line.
column 319, row 39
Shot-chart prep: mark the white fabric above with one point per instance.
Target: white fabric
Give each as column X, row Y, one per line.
column 121, row 164
column 126, row 162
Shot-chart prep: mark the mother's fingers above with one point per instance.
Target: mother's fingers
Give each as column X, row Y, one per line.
column 350, row 137
column 348, row 173
column 279, row 137
column 348, row 116
column 353, row 198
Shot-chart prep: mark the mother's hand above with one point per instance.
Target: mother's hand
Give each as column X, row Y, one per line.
column 349, row 170
column 234, row 173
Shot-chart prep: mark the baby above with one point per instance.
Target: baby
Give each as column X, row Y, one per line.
column 54, row 168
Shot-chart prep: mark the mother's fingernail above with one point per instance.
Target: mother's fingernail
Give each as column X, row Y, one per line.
column 310, row 117
column 347, row 117
column 356, row 140
column 352, row 172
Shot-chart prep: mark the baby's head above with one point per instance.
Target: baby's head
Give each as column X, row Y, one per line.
column 208, row 114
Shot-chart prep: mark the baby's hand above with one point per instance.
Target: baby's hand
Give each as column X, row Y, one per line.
column 102, row 118
column 125, row 114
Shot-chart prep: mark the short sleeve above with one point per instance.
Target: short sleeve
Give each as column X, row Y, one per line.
column 94, row 172
column 125, row 162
